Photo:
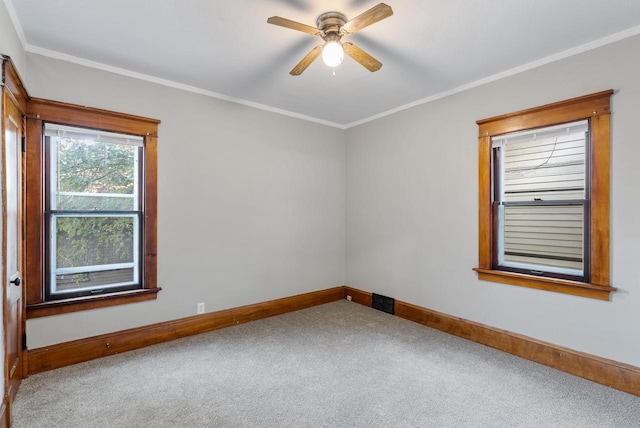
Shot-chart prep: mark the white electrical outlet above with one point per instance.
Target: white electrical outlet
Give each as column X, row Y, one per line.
column 200, row 308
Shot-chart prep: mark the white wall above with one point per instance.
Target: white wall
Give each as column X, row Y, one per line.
column 250, row 203
column 412, row 192
column 9, row 40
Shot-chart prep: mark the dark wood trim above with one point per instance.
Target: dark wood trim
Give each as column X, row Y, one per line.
column 623, row 377
column 77, row 351
column 150, row 212
column 33, row 214
column 485, row 226
column 600, row 198
column 56, row 307
column 5, row 414
column 585, row 107
column 13, row 83
column 544, row 283
column 77, row 115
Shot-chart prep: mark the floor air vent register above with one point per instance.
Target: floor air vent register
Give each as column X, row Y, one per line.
column 383, row 303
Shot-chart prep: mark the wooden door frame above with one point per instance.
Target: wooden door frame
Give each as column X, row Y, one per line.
column 13, row 89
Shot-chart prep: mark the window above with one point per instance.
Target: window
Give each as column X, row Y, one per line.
column 93, row 211
column 540, row 202
column 544, row 197
column 90, row 208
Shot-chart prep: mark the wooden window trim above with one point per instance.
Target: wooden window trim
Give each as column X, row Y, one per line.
column 596, row 108
column 39, row 111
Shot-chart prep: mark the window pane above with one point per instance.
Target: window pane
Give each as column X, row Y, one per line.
column 73, row 282
column 547, row 236
column 544, row 164
column 84, row 202
column 93, row 252
column 89, row 173
column 91, row 241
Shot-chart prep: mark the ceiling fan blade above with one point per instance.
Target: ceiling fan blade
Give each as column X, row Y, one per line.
column 366, row 60
column 287, row 23
column 306, row 61
column 373, row 15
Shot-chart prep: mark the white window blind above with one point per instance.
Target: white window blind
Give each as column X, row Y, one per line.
column 542, row 189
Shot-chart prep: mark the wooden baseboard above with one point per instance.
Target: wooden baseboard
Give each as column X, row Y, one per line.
column 5, row 414
column 623, row 377
column 358, row 296
column 77, row 351
column 611, row 373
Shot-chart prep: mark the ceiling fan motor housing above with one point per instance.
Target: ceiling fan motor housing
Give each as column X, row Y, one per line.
column 331, row 23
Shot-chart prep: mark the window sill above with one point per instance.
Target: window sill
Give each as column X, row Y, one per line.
column 57, row 307
column 600, row 292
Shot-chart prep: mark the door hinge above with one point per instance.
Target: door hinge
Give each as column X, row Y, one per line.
column 24, row 341
column 24, row 144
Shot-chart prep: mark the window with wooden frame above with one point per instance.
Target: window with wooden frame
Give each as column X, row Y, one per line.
column 90, row 208
column 544, row 197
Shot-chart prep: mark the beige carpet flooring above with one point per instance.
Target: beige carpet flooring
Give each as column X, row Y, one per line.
column 335, row 365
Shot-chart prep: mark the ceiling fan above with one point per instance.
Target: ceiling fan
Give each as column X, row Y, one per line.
column 331, row 26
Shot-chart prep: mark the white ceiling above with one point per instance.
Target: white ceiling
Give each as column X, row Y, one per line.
column 225, row 48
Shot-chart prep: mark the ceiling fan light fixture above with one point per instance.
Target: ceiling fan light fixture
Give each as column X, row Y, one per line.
column 332, row 53
column 330, row 27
